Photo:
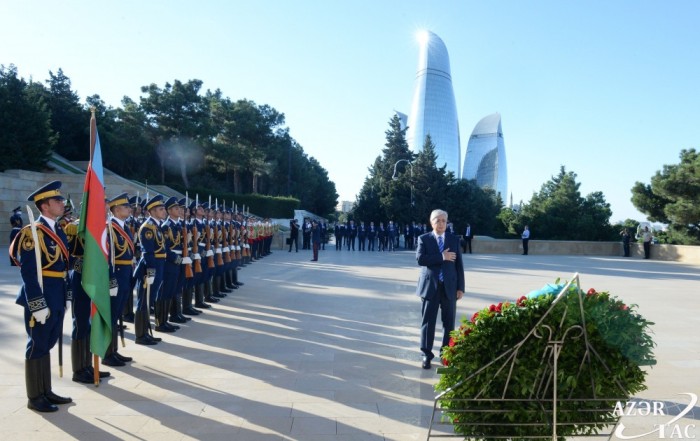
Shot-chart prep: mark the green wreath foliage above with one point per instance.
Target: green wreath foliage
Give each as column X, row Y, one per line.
column 498, row 377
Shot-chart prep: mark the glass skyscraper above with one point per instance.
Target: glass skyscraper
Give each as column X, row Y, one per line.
column 485, row 158
column 433, row 109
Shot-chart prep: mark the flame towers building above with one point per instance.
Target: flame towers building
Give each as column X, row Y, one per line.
column 433, row 109
column 485, row 159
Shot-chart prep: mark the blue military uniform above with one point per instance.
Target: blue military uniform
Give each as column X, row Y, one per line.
column 149, row 272
column 121, row 265
column 172, row 233
column 43, row 296
column 16, row 223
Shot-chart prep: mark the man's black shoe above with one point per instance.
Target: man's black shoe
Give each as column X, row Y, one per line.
column 41, row 404
column 240, row 283
column 83, row 377
column 202, row 305
column 123, row 358
column 164, row 328
column 145, row 341
column 177, row 319
column 129, row 318
column 113, row 361
column 426, row 362
column 55, row 399
column 91, row 372
column 190, row 311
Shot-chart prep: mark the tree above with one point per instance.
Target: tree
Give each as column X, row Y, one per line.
column 178, row 118
column 26, row 138
column 69, row 120
column 558, row 212
column 674, row 198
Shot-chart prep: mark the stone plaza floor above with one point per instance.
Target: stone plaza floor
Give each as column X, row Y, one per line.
column 328, row 350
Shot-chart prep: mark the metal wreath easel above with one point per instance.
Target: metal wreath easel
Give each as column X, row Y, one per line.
column 548, row 406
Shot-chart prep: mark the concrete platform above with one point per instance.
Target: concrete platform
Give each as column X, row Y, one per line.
column 326, row 350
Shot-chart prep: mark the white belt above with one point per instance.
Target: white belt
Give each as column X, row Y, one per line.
column 202, row 244
column 178, row 252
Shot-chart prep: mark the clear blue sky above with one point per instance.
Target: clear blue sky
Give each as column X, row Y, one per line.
column 608, row 89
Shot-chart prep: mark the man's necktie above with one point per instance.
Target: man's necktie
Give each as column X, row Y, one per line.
column 441, row 246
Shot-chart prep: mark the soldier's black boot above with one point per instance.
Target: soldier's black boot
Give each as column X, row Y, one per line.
column 199, row 296
column 176, row 310
column 35, row 387
column 208, row 292
column 160, row 315
column 228, row 280
column 223, row 288
column 128, row 312
column 141, row 329
column 115, row 346
column 187, row 308
column 111, row 358
column 77, row 358
column 46, row 379
column 235, row 278
column 88, row 362
column 216, row 288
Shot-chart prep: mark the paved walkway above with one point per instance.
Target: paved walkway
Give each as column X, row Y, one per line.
column 323, row 351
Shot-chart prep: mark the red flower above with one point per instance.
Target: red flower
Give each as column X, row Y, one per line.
column 499, row 307
column 624, row 307
column 521, row 301
column 467, row 331
column 452, row 342
column 475, row 316
column 445, row 362
column 492, row 308
column 591, row 292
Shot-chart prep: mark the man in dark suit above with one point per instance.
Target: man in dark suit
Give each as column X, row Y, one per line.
column 468, row 236
column 441, row 282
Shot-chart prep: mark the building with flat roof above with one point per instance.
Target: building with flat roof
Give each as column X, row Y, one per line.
column 433, row 109
column 485, row 158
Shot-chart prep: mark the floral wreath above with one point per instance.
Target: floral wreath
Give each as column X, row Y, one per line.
column 498, row 374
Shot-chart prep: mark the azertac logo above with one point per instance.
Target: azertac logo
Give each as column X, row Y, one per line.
column 669, row 430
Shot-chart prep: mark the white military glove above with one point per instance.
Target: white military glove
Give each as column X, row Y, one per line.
column 186, row 260
column 113, row 287
column 69, row 305
column 227, row 249
column 41, row 315
column 197, row 256
column 209, row 253
column 218, row 251
column 150, row 276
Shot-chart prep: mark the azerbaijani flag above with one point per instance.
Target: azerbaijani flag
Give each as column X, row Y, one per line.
column 93, row 231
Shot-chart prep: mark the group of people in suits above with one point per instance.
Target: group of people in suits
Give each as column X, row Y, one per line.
column 177, row 258
column 381, row 237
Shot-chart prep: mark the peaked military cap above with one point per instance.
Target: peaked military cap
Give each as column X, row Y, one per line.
column 17, row 209
column 122, row 199
column 182, row 202
column 134, row 200
column 48, row 191
column 155, row 201
column 171, row 202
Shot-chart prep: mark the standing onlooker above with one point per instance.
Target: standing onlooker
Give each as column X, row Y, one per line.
column 315, row 239
column 625, row 241
column 306, row 235
column 646, row 238
column 526, row 239
column 441, row 282
column 293, row 235
column 468, row 236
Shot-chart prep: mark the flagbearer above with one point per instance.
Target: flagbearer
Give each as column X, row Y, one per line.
column 43, row 294
column 81, row 358
column 121, row 268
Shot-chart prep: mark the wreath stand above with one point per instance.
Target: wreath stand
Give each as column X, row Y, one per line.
column 543, row 403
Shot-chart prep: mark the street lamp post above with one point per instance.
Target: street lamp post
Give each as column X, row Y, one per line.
column 395, row 177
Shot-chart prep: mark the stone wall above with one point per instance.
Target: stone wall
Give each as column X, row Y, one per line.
column 677, row 253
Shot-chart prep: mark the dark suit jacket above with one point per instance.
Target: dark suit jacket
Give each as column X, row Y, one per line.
column 431, row 262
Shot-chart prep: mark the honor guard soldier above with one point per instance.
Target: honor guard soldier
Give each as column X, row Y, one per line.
column 121, row 266
column 199, row 261
column 172, row 232
column 149, row 271
column 16, row 223
column 176, row 305
column 190, row 266
column 41, row 251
